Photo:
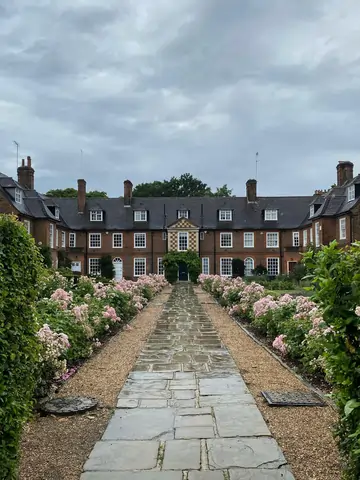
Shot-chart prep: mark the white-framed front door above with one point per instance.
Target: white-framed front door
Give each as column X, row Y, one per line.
column 118, row 267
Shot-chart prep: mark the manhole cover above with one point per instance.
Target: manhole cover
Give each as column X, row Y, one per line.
column 69, row 405
column 293, row 399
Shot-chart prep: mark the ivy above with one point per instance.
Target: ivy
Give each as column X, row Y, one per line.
column 20, row 267
column 336, row 280
column 172, row 260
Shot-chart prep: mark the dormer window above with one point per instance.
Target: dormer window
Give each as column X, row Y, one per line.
column 57, row 213
column 271, row 215
column 183, row 213
column 140, row 216
column 312, row 210
column 18, row 195
column 351, row 193
column 225, row 215
column 96, row 216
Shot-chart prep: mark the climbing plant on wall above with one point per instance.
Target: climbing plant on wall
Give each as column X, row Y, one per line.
column 171, row 264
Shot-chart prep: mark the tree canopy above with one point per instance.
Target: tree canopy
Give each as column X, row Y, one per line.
column 184, row 186
column 72, row 193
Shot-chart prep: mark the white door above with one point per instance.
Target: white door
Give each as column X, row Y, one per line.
column 118, row 266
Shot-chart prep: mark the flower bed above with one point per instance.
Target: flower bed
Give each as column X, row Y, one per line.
column 77, row 318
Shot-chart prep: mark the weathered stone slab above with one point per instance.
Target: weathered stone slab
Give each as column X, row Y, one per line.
column 194, row 432
column 143, row 376
column 182, row 403
column 220, row 386
column 214, row 400
column 194, row 411
column 141, row 424
column 153, row 404
column 182, row 385
column 193, row 421
column 132, row 476
column 120, row 456
column 206, row 476
column 145, row 395
column 145, row 384
column 183, row 394
column 240, row 421
column 167, row 367
column 127, row 403
column 184, row 376
column 69, row 405
column 260, row 474
column 182, row 455
column 244, row 453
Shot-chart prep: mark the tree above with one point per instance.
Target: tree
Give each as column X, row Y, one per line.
column 107, row 267
column 184, row 186
column 72, row 193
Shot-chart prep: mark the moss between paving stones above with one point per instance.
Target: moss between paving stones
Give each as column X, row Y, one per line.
column 56, row 448
column 303, row 433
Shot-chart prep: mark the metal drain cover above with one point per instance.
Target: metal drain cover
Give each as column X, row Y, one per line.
column 293, row 399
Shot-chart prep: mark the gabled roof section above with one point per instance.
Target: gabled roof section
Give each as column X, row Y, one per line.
column 183, row 223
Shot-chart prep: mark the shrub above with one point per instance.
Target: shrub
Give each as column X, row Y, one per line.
column 20, row 266
column 260, row 270
column 171, row 265
column 46, row 255
column 107, row 267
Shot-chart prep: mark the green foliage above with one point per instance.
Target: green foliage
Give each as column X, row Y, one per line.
column 281, row 282
column 299, row 272
column 260, row 270
column 336, row 278
column 171, row 264
column 238, row 267
column 107, row 267
column 63, row 260
column 20, row 266
column 184, row 186
column 72, row 193
column 45, row 252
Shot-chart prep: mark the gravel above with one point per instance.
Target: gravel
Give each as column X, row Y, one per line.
column 304, row 433
column 55, row 448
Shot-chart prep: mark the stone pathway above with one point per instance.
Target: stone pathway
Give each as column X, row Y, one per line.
column 185, row 412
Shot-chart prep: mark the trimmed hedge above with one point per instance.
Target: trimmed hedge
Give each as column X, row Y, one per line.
column 20, row 266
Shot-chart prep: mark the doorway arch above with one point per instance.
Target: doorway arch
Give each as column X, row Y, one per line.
column 118, row 267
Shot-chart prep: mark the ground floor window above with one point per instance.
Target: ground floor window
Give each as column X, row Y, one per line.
column 249, row 266
column 139, row 267
column 94, row 266
column 226, row 267
column 205, row 266
column 273, row 266
column 160, row 266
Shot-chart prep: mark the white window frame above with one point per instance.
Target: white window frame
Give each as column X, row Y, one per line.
column 160, row 266
column 136, row 262
column 27, row 225
column 57, row 237
column 342, row 228
column 51, row 235
column 183, row 235
column 183, row 213
column 317, row 234
column 252, row 266
column 312, row 210
column 93, row 236
column 270, row 243
column 351, row 193
column 225, row 215
column 205, row 266
column 296, row 239
column 18, row 195
column 91, row 263
column 140, row 216
column 63, row 239
column 202, row 235
column 137, row 237
column 249, row 240
column 96, row 215
column 311, row 235
column 305, row 238
column 117, row 235
column 72, row 239
column 225, row 262
column 226, row 235
column 57, row 213
column 268, row 267
column 271, row 215
column 164, row 235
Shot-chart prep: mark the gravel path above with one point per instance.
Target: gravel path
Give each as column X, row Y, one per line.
column 303, row 433
column 55, row 448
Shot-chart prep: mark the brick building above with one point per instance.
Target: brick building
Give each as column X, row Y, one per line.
column 137, row 232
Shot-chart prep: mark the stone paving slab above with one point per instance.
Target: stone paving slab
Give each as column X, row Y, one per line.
column 185, row 412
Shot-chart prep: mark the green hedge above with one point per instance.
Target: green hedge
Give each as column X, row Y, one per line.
column 20, row 266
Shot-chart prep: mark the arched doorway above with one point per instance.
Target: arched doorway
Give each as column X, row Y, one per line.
column 118, row 267
column 249, row 266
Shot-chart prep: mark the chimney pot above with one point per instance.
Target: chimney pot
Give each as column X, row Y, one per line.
column 251, row 194
column 127, row 192
column 81, row 195
column 23, row 162
column 345, row 172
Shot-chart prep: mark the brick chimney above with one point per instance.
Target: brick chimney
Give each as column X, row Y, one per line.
column 26, row 174
column 81, row 195
column 345, row 172
column 251, row 190
column 128, row 186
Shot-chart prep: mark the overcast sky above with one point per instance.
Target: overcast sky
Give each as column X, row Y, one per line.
column 149, row 89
